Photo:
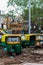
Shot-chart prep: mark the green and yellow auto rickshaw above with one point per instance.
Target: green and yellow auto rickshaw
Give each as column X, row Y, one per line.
column 12, row 42
column 28, row 40
column 32, row 40
column 39, row 40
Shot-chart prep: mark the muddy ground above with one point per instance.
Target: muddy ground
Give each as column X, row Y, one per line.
column 28, row 55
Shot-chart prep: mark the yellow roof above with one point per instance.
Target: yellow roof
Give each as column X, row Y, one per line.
column 32, row 34
column 12, row 35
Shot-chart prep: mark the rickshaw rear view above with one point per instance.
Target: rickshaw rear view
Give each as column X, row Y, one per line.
column 12, row 43
column 34, row 40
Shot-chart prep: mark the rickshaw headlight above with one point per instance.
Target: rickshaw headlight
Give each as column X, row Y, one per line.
column 23, row 37
column 39, row 37
column 41, row 42
column 37, row 43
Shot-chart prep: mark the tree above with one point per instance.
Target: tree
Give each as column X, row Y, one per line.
column 36, row 9
column 36, row 4
column 11, row 13
column 18, row 2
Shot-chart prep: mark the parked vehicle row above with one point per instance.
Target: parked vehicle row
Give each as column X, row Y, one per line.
column 14, row 43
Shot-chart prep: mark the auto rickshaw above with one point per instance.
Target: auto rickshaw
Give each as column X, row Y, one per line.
column 28, row 40
column 39, row 41
column 32, row 40
column 12, row 42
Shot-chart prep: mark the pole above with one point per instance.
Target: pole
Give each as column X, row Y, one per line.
column 29, row 3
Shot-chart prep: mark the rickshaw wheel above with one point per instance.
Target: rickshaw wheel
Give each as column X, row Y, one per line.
column 19, row 53
column 2, row 52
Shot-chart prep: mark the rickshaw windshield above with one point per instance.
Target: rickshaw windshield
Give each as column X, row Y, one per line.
column 39, row 37
column 13, row 39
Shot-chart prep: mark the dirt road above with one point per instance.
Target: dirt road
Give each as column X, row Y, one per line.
column 28, row 55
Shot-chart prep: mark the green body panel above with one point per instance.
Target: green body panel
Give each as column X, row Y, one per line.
column 3, row 44
column 27, row 43
column 17, row 48
column 12, row 48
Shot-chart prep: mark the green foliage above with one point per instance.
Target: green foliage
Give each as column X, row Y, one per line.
column 18, row 2
column 25, row 14
column 36, row 9
column 10, row 2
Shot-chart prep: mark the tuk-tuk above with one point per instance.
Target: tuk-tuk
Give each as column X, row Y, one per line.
column 39, row 40
column 28, row 40
column 12, row 42
column 31, row 39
